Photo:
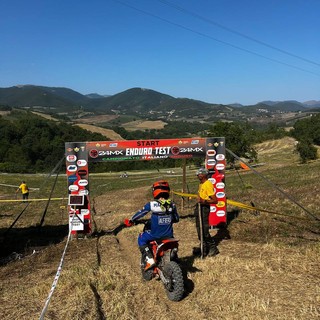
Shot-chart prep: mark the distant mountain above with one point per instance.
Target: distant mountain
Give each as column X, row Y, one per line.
column 312, row 104
column 95, row 96
column 296, row 104
column 135, row 98
column 235, row 105
column 140, row 101
column 31, row 95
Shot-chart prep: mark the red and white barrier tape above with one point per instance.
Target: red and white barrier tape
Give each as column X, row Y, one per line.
column 56, row 278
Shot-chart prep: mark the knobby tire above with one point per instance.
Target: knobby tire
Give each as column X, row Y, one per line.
column 175, row 288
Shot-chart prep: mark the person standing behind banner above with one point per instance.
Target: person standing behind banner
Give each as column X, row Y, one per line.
column 24, row 190
column 206, row 196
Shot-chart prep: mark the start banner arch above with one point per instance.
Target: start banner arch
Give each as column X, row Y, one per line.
column 80, row 154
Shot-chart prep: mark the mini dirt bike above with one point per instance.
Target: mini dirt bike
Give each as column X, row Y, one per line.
column 167, row 269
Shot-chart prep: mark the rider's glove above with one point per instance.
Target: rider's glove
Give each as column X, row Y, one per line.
column 128, row 223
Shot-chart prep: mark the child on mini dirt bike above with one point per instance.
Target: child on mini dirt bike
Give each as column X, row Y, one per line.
column 163, row 215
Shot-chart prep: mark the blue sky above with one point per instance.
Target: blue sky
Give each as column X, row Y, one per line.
column 226, row 51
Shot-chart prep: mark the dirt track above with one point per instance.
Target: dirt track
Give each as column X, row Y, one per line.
column 101, row 276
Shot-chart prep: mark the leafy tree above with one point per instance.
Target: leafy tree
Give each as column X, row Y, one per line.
column 307, row 132
column 307, row 151
column 239, row 138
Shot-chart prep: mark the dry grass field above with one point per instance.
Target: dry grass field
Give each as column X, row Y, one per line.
column 144, row 125
column 108, row 133
column 268, row 266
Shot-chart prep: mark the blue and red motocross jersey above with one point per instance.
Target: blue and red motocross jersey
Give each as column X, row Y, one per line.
column 161, row 218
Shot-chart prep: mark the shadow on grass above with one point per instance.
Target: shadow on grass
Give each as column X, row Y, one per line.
column 22, row 241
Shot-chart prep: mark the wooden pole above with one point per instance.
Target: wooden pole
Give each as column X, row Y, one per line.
column 201, row 230
column 184, row 183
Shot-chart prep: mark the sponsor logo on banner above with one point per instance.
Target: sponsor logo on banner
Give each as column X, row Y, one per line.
column 81, row 163
column 71, row 158
column 73, row 187
column 211, row 162
column 113, row 145
column 195, row 142
column 212, row 180
column 211, row 152
column 72, row 168
column 191, row 150
column 221, row 213
column 213, row 209
column 220, row 157
column 220, row 185
column 218, row 194
column 175, row 150
column 220, row 204
column 111, row 153
column 93, row 153
column 220, row 166
column 83, row 182
column 82, row 172
column 83, row 192
column 76, row 149
column 72, row 178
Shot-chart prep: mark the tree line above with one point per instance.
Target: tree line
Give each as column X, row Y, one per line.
column 29, row 143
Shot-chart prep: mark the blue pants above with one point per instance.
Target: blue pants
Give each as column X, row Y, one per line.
column 144, row 238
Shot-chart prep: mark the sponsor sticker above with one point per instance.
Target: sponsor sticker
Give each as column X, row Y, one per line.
column 83, row 182
column 81, row 163
column 72, row 168
column 211, row 153
column 220, row 185
column 220, row 157
column 221, row 213
column 175, row 150
column 220, row 204
column 71, row 158
column 213, row 209
column 83, row 192
column 72, row 178
column 73, row 187
column 93, row 153
column 220, row 194
column 212, row 180
column 220, row 166
column 82, row 172
column 211, row 162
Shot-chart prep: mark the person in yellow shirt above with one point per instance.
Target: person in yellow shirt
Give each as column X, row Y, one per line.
column 24, row 190
column 206, row 196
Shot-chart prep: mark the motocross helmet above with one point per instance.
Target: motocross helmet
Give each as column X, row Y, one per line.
column 160, row 189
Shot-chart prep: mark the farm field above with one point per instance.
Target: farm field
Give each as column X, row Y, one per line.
column 267, row 267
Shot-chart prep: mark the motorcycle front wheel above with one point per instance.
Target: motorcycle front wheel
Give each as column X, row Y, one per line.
column 174, row 281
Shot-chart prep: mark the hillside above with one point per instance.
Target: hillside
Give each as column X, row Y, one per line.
column 267, row 267
column 148, row 104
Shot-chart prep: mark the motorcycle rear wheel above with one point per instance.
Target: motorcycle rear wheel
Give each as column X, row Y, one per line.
column 175, row 284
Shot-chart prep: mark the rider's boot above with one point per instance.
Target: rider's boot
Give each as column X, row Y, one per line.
column 149, row 257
